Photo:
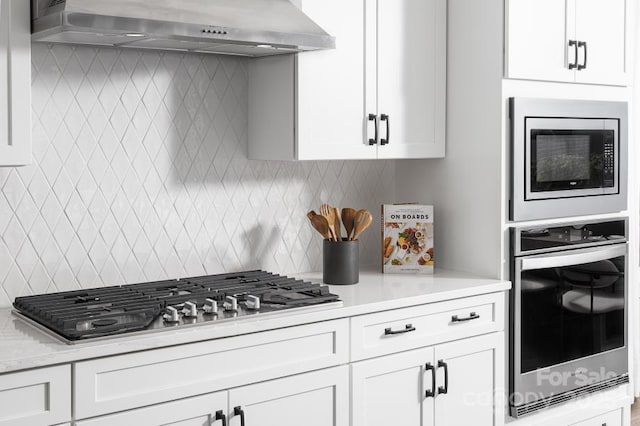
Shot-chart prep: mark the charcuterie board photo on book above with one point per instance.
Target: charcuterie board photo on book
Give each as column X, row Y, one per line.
column 407, row 239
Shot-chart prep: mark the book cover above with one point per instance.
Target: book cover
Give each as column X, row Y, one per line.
column 407, row 239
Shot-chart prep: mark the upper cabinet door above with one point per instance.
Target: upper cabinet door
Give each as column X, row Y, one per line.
column 537, row 40
column 411, row 83
column 581, row 41
column 601, row 26
column 15, row 83
column 331, row 86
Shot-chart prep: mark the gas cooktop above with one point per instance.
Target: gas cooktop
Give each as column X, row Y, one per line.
column 100, row 312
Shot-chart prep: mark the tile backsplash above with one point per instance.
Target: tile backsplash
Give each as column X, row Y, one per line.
column 140, row 172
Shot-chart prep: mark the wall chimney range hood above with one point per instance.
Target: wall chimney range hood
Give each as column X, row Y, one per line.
column 233, row 27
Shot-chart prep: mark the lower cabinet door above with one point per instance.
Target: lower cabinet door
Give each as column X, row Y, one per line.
column 195, row 411
column 319, row 398
column 474, row 369
column 392, row 390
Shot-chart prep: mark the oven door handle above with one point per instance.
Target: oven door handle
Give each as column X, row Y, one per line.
column 568, row 259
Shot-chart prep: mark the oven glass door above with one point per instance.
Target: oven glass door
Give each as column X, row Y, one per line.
column 572, row 305
column 571, row 157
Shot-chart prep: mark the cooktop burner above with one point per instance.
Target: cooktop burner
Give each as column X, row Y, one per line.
column 93, row 313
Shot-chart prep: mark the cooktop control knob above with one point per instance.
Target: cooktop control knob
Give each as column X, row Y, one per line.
column 190, row 310
column 210, row 306
column 230, row 303
column 253, row 302
column 171, row 314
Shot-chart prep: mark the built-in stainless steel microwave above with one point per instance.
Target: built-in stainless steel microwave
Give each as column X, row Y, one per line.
column 569, row 158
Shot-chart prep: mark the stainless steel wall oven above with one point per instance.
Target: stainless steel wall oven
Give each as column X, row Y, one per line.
column 568, row 319
column 569, row 158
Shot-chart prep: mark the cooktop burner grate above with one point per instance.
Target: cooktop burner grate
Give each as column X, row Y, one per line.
column 92, row 313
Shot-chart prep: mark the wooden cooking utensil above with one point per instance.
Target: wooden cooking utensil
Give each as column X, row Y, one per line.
column 321, row 225
column 336, row 224
column 311, row 214
column 327, row 211
column 348, row 219
column 362, row 221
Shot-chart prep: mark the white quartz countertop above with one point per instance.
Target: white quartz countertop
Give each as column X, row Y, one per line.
column 24, row 346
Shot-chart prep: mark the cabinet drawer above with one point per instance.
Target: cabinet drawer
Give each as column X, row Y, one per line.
column 36, row 397
column 403, row 329
column 135, row 380
column 612, row 418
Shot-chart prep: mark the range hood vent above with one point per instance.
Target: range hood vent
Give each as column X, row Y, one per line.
column 233, row 27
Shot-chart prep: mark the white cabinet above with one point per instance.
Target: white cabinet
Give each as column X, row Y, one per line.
column 569, row 41
column 313, row 399
column 389, row 64
column 36, row 397
column 391, row 390
column 195, row 411
column 319, row 398
column 446, row 385
column 15, row 82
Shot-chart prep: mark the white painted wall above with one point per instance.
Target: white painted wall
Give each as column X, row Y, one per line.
column 465, row 186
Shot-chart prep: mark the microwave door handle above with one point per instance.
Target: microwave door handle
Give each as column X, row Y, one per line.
column 568, row 259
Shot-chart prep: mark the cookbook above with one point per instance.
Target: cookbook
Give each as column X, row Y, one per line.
column 407, row 239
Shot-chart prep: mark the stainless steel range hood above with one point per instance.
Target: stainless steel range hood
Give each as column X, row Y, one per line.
column 236, row 27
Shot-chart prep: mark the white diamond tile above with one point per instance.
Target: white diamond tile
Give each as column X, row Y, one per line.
column 110, row 273
column 51, row 257
column 14, row 236
column 39, row 280
column 14, row 190
column 64, row 279
column 140, row 173
column 98, row 120
column 99, row 253
column 27, row 259
column 6, row 261
column 27, row 212
column 39, row 234
column 63, row 233
column 87, row 276
column 74, row 119
column 62, row 142
column 86, row 97
column 51, row 210
column 15, row 285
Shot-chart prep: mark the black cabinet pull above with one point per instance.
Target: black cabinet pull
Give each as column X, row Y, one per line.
column 385, row 117
column 472, row 316
column 220, row 416
column 374, row 118
column 575, row 53
column 445, row 388
column 431, row 392
column 407, row 328
column 584, row 63
column 237, row 411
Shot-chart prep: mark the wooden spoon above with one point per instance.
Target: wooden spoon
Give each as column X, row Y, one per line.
column 362, row 221
column 311, row 214
column 336, row 224
column 327, row 211
column 321, row 225
column 348, row 219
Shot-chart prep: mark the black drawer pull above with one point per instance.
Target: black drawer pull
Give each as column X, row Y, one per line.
column 385, row 141
column 374, row 118
column 220, row 416
column 238, row 411
column 407, row 328
column 432, row 392
column 444, row 389
column 472, row 316
column 574, row 43
column 584, row 63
